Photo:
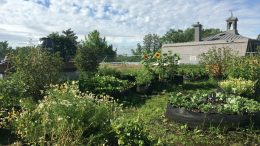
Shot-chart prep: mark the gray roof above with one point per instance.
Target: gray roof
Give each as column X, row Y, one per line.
column 224, row 36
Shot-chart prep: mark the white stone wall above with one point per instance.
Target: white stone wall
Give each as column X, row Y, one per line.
column 190, row 51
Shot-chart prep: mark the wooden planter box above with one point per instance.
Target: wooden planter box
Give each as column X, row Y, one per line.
column 194, row 119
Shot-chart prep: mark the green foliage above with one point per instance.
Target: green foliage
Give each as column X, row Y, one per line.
column 192, row 72
column 108, row 71
column 131, row 133
column 126, row 58
column 93, row 50
column 100, row 46
column 11, row 91
column 217, row 61
column 238, row 86
column 215, row 102
column 165, row 65
column 103, row 84
column 86, row 59
column 151, row 44
column 178, row 36
column 4, row 49
column 66, row 117
column 247, row 67
column 35, row 68
column 144, row 77
column 65, row 44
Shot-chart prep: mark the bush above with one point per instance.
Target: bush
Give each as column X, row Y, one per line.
column 108, row 71
column 217, row 61
column 11, row 91
column 144, row 77
column 192, row 72
column 247, row 67
column 103, row 84
column 35, row 68
column 238, row 86
column 130, row 133
column 66, row 117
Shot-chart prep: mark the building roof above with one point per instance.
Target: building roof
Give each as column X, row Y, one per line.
column 224, row 36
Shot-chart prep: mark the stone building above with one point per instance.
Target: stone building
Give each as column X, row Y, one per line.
column 189, row 51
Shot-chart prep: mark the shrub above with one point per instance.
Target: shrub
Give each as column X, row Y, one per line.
column 108, row 71
column 216, row 61
column 129, row 133
column 247, row 67
column 11, row 91
column 103, row 84
column 192, row 72
column 144, row 77
column 35, row 68
column 66, row 117
column 238, row 86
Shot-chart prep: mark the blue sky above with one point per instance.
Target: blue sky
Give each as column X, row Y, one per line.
column 122, row 22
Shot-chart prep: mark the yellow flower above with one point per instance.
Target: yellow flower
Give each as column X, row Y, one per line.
column 157, row 55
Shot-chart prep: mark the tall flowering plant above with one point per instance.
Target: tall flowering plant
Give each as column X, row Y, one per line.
column 164, row 66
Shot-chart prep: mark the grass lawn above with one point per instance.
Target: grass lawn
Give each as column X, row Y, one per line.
column 151, row 115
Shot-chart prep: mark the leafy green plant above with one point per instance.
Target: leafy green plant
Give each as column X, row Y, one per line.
column 217, row 60
column 238, row 86
column 214, row 102
column 144, row 77
column 164, row 65
column 192, row 72
column 129, row 133
column 103, row 84
column 247, row 67
column 66, row 117
column 35, row 68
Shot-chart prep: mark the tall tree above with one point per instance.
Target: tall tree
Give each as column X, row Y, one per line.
column 179, row 36
column 151, row 44
column 4, row 49
column 65, row 44
column 95, row 41
column 92, row 51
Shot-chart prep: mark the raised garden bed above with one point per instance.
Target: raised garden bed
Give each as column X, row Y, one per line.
column 207, row 108
column 194, row 119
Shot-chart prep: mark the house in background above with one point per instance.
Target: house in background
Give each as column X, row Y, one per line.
column 190, row 51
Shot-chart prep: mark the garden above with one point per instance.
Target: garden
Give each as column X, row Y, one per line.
column 158, row 102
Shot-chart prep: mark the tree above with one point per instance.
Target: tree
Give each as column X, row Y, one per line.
column 4, row 49
column 65, row 44
column 93, row 51
column 35, row 68
column 100, row 45
column 179, row 36
column 151, row 44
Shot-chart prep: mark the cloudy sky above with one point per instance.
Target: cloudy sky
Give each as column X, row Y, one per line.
column 122, row 22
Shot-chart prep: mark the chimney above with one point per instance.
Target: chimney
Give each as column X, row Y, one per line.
column 197, row 35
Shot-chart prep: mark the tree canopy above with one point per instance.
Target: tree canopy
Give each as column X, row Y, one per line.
column 100, row 45
column 92, row 51
column 187, row 35
column 151, row 44
column 65, row 43
column 4, row 49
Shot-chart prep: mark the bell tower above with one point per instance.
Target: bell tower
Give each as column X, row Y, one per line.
column 232, row 24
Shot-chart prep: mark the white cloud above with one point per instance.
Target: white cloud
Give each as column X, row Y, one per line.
column 123, row 22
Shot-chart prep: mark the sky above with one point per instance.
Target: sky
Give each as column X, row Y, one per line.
column 123, row 22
